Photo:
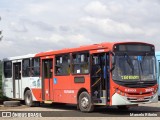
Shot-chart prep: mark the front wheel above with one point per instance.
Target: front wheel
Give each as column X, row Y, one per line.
column 85, row 102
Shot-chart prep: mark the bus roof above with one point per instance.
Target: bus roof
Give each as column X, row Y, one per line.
column 105, row 45
column 19, row 57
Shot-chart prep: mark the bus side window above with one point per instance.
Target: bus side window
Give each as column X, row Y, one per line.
column 62, row 65
column 80, row 63
column 35, row 68
column 26, row 67
column 8, row 69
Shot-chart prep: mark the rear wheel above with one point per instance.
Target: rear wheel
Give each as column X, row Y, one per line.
column 85, row 102
column 28, row 98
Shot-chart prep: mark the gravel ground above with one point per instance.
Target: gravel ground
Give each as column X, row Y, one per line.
column 61, row 111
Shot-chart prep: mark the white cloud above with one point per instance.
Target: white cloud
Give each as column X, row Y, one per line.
column 109, row 26
column 38, row 8
column 37, row 25
column 96, row 8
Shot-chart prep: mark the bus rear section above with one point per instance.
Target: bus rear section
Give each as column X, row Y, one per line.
column 158, row 70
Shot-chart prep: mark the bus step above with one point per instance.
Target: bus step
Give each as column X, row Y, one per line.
column 100, row 104
column 103, row 99
column 48, row 102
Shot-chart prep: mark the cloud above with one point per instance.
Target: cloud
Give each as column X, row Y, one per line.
column 96, row 8
column 109, row 26
column 37, row 25
column 18, row 27
column 40, row 24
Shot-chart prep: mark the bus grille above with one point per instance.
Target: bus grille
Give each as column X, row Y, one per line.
column 136, row 84
column 138, row 100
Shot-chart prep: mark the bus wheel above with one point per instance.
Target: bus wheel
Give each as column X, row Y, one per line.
column 28, row 98
column 85, row 102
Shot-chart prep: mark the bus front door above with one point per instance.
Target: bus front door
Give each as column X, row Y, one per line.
column 100, row 78
column 47, row 73
column 17, row 80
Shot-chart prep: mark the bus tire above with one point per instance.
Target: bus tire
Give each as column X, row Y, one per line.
column 28, row 98
column 85, row 102
column 11, row 103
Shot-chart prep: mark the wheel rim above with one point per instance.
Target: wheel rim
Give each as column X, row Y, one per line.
column 84, row 102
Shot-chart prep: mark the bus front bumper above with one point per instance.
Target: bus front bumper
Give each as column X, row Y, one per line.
column 123, row 100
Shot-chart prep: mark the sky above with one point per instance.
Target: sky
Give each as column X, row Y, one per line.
column 32, row 26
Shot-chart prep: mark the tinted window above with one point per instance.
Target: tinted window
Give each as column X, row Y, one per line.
column 26, row 68
column 8, row 69
column 62, row 66
column 35, row 69
column 80, row 63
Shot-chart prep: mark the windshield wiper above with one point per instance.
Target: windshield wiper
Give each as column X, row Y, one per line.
column 141, row 66
column 129, row 61
column 141, row 62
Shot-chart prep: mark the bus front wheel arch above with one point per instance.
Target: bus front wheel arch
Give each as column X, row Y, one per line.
column 85, row 102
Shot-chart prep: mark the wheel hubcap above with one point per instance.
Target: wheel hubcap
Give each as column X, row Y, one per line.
column 84, row 102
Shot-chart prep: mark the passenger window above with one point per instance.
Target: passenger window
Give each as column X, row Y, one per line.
column 62, row 66
column 35, row 69
column 26, row 67
column 8, row 69
column 80, row 63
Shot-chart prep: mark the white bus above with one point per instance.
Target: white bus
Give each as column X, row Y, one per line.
column 18, row 79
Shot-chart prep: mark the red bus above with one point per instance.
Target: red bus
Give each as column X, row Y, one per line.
column 109, row 74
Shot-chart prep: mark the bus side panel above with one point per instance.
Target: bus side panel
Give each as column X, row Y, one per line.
column 60, row 84
column 7, row 85
column 65, row 89
column 37, row 94
column 76, row 86
column 36, row 88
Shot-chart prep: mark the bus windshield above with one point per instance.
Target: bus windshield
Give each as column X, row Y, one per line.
column 134, row 68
